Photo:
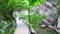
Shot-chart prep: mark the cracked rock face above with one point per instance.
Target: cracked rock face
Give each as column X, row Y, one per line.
column 58, row 25
column 48, row 9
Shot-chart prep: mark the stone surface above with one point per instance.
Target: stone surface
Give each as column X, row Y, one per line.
column 48, row 10
column 50, row 23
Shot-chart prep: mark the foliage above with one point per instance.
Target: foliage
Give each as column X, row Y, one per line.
column 58, row 32
column 34, row 2
column 58, row 7
column 58, row 10
column 34, row 19
column 8, row 6
column 7, row 27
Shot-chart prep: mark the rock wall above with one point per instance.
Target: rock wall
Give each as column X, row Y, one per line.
column 48, row 8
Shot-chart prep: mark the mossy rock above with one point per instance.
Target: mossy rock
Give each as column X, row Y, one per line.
column 47, row 31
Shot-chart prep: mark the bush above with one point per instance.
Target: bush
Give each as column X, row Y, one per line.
column 34, row 19
column 8, row 6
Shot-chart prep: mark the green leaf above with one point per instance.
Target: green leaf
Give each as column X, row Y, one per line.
column 34, row 2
